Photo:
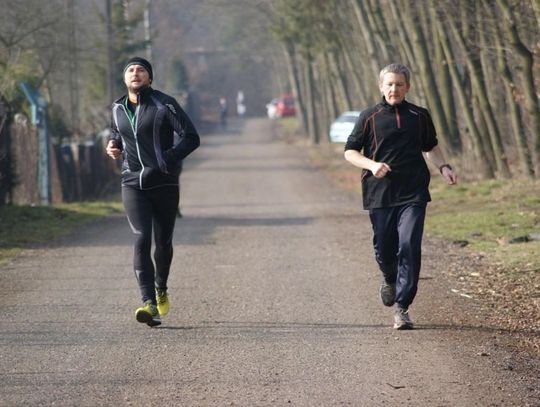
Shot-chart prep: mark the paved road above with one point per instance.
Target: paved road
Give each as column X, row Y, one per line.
column 274, row 294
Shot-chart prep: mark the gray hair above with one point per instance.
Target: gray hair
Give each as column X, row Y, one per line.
column 397, row 69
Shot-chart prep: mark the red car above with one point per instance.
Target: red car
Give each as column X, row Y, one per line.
column 285, row 106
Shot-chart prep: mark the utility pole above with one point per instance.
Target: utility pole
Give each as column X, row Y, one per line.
column 110, row 51
column 148, row 30
column 73, row 77
column 39, row 107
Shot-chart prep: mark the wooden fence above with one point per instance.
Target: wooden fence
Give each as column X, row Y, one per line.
column 5, row 147
column 78, row 171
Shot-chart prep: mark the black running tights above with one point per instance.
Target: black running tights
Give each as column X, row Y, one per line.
column 146, row 210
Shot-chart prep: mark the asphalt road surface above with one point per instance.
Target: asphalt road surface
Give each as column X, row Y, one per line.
column 274, row 295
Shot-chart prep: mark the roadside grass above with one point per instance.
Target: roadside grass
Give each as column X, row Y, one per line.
column 22, row 226
column 289, row 124
column 486, row 216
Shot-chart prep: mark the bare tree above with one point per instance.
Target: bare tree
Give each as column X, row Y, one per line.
column 427, row 76
column 24, row 25
column 483, row 155
column 526, row 72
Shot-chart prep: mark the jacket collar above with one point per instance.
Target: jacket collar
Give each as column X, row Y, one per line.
column 143, row 94
column 386, row 105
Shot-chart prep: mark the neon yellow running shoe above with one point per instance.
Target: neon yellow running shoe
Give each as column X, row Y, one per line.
column 148, row 314
column 162, row 300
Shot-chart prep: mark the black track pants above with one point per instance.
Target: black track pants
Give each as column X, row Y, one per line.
column 397, row 240
column 146, row 210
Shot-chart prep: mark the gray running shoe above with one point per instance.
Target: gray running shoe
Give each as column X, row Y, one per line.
column 388, row 294
column 402, row 320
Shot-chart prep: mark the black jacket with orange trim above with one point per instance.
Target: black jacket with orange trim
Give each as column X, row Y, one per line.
column 396, row 135
column 152, row 155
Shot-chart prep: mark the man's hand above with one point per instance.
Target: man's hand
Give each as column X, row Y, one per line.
column 380, row 169
column 359, row 160
column 112, row 150
column 449, row 175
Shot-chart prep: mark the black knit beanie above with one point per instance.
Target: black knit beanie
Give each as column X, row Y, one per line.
column 140, row 61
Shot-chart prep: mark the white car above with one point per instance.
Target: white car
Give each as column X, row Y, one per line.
column 271, row 109
column 343, row 126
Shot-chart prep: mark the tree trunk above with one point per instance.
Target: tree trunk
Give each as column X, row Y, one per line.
column 444, row 81
column 294, row 78
column 334, row 108
column 407, row 51
column 355, row 76
column 377, row 32
column 309, row 82
column 148, row 31
column 484, row 157
column 327, row 106
column 387, row 43
column 73, row 75
column 526, row 72
column 407, row 54
column 426, row 73
column 480, row 90
column 516, row 122
column 367, row 34
column 536, row 8
column 110, row 52
column 344, row 102
column 488, row 62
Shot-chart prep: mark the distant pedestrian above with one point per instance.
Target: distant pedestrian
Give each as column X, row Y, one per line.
column 143, row 126
column 240, row 105
column 223, row 112
column 241, row 110
column 388, row 142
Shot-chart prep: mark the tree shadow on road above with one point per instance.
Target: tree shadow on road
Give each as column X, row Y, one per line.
column 277, row 326
column 475, row 328
column 197, row 230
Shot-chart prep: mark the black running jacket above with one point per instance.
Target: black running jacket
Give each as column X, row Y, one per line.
column 396, row 135
column 152, row 155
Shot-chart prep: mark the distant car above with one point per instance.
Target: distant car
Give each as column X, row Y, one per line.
column 343, row 126
column 271, row 109
column 285, row 106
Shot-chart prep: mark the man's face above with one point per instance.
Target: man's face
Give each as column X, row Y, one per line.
column 136, row 78
column 394, row 87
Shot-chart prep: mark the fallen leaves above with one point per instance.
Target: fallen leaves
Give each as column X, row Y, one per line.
column 504, row 297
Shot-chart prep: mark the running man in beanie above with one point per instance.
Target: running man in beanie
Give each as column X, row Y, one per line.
column 144, row 124
column 388, row 143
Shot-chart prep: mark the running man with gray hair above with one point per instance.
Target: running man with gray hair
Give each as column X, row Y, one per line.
column 388, row 143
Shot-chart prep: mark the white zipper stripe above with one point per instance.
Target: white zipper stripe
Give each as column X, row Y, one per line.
column 134, row 128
